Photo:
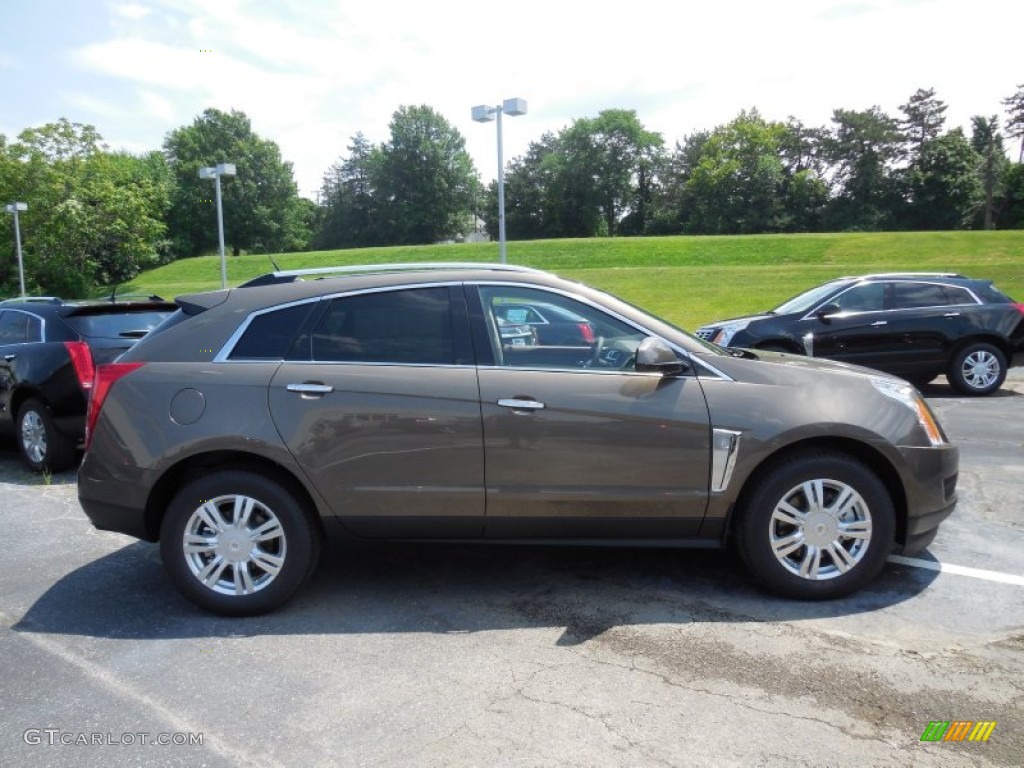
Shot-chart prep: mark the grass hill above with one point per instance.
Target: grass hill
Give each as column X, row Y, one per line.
column 688, row 280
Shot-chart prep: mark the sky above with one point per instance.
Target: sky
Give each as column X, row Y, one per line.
column 310, row 74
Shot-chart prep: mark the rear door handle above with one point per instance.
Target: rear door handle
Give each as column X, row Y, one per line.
column 8, row 358
column 520, row 405
column 879, row 322
column 952, row 314
column 310, row 388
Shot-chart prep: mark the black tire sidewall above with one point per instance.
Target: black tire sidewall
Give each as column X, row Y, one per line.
column 301, row 541
column 956, row 377
column 752, row 533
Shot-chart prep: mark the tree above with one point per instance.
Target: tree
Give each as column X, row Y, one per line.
column 861, row 152
column 737, row 186
column 1015, row 118
column 261, row 204
column 530, row 207
column 946, row 188
column 94, row 216
column 348, row 201
column 604, row 160
column 925, row 116
column 987, row 142
column 425, row 179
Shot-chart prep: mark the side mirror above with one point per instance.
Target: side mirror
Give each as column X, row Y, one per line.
column 655, row 356
column 824, row 312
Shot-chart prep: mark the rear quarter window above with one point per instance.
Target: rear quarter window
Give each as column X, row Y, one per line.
column 270, row 335
column 117, row 325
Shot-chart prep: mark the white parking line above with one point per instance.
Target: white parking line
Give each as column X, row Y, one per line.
column 959, row 570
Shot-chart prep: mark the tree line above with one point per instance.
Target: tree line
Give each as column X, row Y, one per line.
column 98, row 217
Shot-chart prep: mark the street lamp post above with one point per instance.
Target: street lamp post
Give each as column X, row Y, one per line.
column 14, row 208
column 215, row 172
column 484, row 114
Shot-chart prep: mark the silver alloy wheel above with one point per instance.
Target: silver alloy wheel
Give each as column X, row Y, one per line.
column 820, row 529
column 33, row 436
column 234, row 545
column 980, row 369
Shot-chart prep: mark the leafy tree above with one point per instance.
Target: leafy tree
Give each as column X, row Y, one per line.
column 1011, row 207
column 1015, row 118
column 261, row 204
column 530, row 208
column 424, row 180
column 987, row 142
column 94, row 216
column 946, row 189
column 861, row 152
column 603, row 160
column 737, row 186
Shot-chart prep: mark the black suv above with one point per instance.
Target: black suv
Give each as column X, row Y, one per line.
column 48, row 353
column 914, row 325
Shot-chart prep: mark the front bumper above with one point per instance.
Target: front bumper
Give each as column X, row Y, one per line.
column 929, row 481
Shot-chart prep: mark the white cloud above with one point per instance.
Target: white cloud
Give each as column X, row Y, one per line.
column 131, row 11
column 310, row 75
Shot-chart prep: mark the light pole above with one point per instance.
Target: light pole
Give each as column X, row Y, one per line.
column 484, row 114
column 14, row 208
column 215, row 172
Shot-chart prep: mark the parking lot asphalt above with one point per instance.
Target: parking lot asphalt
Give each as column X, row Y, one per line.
column 469, row 656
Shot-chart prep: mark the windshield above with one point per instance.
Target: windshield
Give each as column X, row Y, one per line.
column 811, row 298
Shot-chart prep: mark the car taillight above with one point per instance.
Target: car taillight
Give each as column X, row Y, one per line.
column 587, row 332
column 81, row 361
column 106, row 375
column 1020, row 308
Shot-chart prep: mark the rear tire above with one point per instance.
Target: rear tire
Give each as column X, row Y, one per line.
column 816, row 526
column 238, row 544
column 42, row 446
column 978, row 368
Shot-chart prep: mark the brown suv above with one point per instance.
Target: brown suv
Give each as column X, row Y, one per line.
column 384, row 402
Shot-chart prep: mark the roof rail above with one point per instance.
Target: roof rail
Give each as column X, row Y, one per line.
column 34, row 300
column 907, row 274
column 290, row 275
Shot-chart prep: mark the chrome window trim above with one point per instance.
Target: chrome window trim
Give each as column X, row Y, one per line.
column 811, row 315
column 225, row 351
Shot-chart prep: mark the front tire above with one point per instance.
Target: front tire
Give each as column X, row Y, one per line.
column 977, row 369
column 42, row 446
column 817, row 526
column 237, row 544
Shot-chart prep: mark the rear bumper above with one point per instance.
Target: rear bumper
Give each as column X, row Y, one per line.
column 116, row 518
column 929, row 480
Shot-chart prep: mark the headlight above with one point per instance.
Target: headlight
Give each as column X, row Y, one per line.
column 727, row 331
column 904, row 393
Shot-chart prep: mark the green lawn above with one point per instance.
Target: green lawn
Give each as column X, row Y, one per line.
column 688, row 280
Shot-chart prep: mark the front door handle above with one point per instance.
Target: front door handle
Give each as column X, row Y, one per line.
column 8, row 358
column 310, row 388
column 952, row 314
column 879, row 322
column 520, row 405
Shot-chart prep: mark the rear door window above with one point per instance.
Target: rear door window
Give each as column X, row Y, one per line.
column 922, row 295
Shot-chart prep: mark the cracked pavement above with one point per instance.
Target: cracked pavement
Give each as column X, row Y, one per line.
column 459, row 656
